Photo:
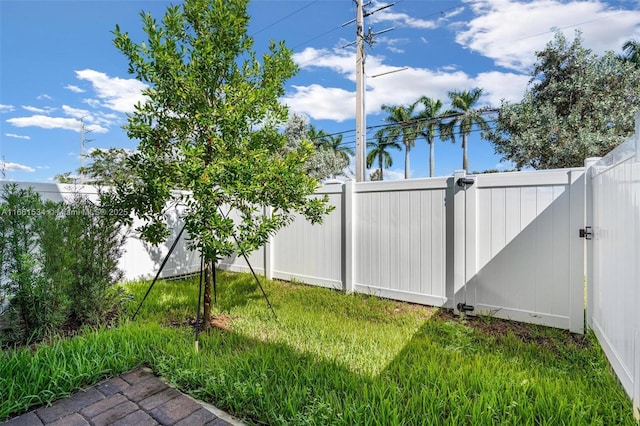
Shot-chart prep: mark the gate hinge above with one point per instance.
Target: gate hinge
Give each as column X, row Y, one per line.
column 586, row 233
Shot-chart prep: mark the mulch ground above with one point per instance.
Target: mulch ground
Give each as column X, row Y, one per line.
column 527, row 333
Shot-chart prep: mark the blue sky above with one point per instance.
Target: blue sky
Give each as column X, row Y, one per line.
column 58, row 65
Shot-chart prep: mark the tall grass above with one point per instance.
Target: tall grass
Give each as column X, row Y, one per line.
column 331, row 358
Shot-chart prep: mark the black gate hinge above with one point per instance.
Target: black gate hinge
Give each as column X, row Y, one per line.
column 586, row 233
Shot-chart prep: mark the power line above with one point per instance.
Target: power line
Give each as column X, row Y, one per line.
column 285, row 17
column 350, row 142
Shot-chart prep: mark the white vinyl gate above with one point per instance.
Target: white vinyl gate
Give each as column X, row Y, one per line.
column 519, row 254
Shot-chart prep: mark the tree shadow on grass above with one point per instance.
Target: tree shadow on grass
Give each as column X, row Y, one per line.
column 447, row 373
column 235, row 290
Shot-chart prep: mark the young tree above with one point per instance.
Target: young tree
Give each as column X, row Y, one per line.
column 209, row 126
column 578, row 105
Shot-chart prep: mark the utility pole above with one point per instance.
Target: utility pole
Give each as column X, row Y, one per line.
column 360, row 87
column 361, row 38
column 82, row 143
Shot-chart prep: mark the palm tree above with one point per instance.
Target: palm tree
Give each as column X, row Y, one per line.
column 463, row 103
column 429, row 123
column 318, row 138
column 334, row 143
column 402, row 126
column 631, row 51
column 379, row 151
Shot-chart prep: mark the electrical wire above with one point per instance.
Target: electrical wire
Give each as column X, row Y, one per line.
column 350, row 142
column 285, row 17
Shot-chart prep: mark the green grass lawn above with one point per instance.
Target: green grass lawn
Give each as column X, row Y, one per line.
column 332, row 358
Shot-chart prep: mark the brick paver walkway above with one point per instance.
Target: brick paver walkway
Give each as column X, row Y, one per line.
column 137, row 398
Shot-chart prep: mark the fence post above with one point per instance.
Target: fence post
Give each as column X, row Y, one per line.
column 459, row 239
column 577, row 247
column 268, row 249
column 348, row 259
column 636, row 353
column 588, row 221
column 636, row 376
column 637, row 136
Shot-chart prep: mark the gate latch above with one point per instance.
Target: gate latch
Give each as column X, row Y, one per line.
column 586, row 233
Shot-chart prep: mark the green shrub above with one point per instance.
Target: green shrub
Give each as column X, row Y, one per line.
column 95, row 241
column 36, row 303
column 58, row 262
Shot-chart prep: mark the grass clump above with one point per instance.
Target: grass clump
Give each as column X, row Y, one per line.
column 333, row 359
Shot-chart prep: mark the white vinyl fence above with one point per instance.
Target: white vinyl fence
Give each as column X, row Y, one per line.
column 503, row 244
column 512, row 245
column 614, row 261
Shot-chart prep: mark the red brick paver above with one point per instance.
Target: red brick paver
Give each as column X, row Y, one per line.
column 137, row 398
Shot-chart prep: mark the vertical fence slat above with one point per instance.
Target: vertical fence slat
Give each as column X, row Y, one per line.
column 577, row 251
column 348, row 228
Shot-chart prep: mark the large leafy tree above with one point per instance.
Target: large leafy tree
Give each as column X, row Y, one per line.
column 335, row 147
column 402, row 127
column 379, row 152
column 325, row 162
column 107, row 167
column 577, row 105
column 209, row 128
column 430, row 123
column 467, row 117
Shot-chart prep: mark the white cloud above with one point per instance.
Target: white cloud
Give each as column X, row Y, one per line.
column 115, row 93
column 393, row 174
column 321, row 103
column 6, row 108
column 339, row 60
column 36, row 110
column 13, row 135
column 511, row 31
column 47, row 122
column 43, row 97
column 15, row 167
column 455, row 12
column 107, row 119
column 77, row 113
column 97, row 117
column 499, row 85
column 396, row 88
column 74, row 89
column 398, row 18
column 393, row 44
column 92, row 102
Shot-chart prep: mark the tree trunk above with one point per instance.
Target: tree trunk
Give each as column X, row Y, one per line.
column 208, row 285
column 465, row 163
column 406, row 161
column 380, row 164
column 432, row 161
